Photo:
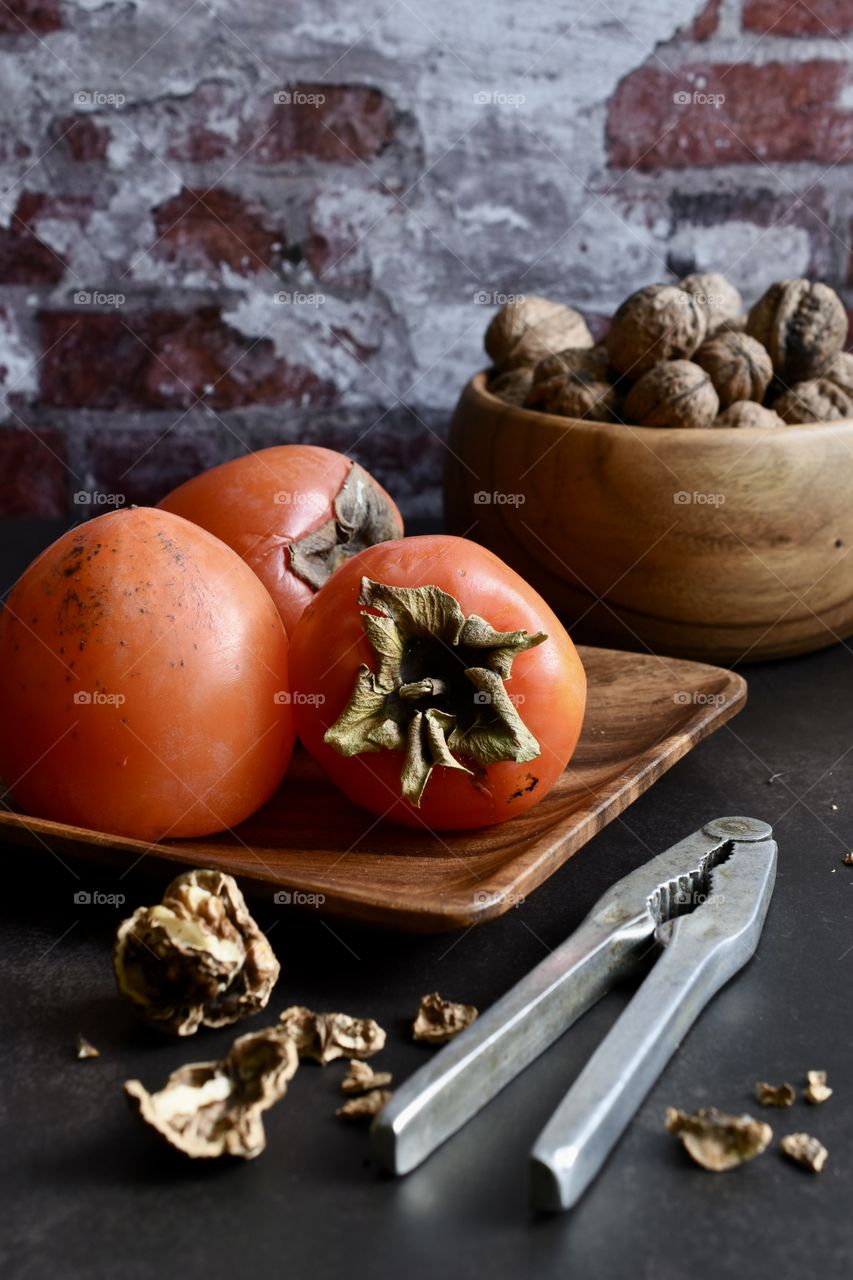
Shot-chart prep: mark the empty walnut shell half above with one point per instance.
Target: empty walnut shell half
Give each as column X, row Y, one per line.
column 526, row 330
column 802, row 324
column 198, row 958
column 746, row 413
column 574, row 384
column 738, row 366
column 512, row 386
column 659, row 322
column 716, row 295
column 817, row 400
column 675, row 393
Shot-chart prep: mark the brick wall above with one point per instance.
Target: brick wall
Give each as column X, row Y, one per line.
column 229, row 224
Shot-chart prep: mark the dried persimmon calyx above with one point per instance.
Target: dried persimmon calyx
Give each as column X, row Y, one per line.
column 716, row 1140
column 327, row 1036
column 197, row 958
column 439, row 1020
column 211, row 1109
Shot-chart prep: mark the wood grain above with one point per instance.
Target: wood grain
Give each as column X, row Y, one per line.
column 755, row 564
column 644, row 714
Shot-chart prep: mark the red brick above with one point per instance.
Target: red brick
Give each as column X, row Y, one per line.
column 29, row 17
column 143, row 464
column 204, row 228
column 775, row 113
column 800, row 18
column 24, row 258
column 84, row 138
column 131, row 360
column 335, row 252
column 33, row 476
column 704, row 24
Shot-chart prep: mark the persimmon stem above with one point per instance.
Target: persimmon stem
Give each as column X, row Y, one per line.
column 431, row 687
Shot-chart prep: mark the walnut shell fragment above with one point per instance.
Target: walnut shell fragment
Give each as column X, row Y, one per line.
column 198, row 958
column 527, row 329
column 361, row 1078
column 575, row 383
column 327, row 1036
column 659, row 322
column 211, row 1109
column 440, row 1020
column 365, row 1106
column 716, row 1140
column 746, row 413
column 717, row 296
column 674, row 393
column 775, row 1095
column 805, row 1150
column 818, row 400
column 816, row 1090
column 803, row 325
column 513, row 386
column 738, row 366
column 84, row 1048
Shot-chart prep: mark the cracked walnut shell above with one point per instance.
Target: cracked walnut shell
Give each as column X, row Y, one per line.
column 659, row 322
column 440, row 1020
column 716, row 1140
column 817, row 400
column 527, row 329
column 575, row 383
column 803, row 326
column 327, row 1036
column 674, row 393
column 746, row 413
column 197, row 958
column 717, row 296
column 513, row 386
column 738, row 366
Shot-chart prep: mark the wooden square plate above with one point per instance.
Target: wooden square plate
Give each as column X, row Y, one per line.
column 644, row 713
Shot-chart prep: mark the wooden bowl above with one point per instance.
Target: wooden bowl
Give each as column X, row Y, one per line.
column 725, row 544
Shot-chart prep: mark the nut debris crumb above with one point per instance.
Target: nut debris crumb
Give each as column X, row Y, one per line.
column 775, row 1095
column 361, row 1077
column 365, row 1106
column 327, row 1036
column 84, row 1048
column 718, row 1141
column 211, row 1109
column 805, row 1150
column 816, row 1090
column 440, row 1020
column 197, row 958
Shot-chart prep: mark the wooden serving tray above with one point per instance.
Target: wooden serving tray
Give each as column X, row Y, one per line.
column 643, row 714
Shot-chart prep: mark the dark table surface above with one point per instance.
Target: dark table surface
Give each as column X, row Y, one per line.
column 87, row 1191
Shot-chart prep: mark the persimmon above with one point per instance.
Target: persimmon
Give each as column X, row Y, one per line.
column 294, row 512
column 143, row 681
column 434, row 685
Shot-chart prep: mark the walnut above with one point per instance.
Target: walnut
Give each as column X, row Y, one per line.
column 841, row 371
column 738, row 366
column 361, row 1077
column 816, row 1090
column 716, row 1140
column 746, row 413
column 817, row 400
column 775, row 1095
column 440, row 1020
column 197, row 958
column 365, row 1106
column 575, row 383
column 805, row 1150
column 674, row 393
column 659, row 322
column 326, row 1036
column 210, row 1109
column 513, row 385
column 528, row 329
column 717, row 296
column 802, row 324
